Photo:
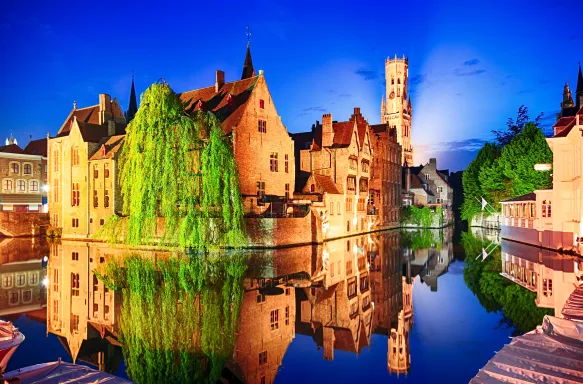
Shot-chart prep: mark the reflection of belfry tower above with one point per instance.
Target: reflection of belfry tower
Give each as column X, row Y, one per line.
column 396, row 108
column 399, row 359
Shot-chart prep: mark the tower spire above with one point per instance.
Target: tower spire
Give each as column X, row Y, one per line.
column 579, row 89
column 248, row 70
column 133, row 105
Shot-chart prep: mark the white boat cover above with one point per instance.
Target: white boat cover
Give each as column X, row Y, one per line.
column 60, row 372
column 573, row 308
column 553, row 353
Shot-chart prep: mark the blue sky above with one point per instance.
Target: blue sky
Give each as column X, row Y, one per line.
column 471, row 65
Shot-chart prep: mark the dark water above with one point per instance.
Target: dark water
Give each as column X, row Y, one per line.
column 388, row 306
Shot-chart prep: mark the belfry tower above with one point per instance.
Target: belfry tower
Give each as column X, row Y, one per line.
column 396, row 108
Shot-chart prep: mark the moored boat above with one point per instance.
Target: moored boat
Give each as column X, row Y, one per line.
column 10, row 339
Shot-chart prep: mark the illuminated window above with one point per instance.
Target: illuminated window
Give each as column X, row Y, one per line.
column 74, row 284
column 75, row 156
column 15, row 168
column 75, row 194
column 21, row 186
column 27, row 168
column 106, row 198
column 33, row 186
column 273, row 162
column 7, row 281
column 274, row 319
column 95, row 199
column 260, row 189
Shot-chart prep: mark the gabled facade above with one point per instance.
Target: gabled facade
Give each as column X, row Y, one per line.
column 341, row 154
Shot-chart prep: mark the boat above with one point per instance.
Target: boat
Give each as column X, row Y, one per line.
column 10, row 339
column 60, row 372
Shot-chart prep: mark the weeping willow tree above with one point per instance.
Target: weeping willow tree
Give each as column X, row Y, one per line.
column 179, row 316
column 180, row 167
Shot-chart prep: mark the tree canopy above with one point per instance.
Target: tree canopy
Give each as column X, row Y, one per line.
column 181, row 168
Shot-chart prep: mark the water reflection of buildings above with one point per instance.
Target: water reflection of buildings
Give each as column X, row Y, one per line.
column 22, row 273
column 552, row 276
column 81, row 310
column 431, row 262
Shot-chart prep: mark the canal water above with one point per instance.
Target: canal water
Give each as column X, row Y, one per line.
column 422, row 306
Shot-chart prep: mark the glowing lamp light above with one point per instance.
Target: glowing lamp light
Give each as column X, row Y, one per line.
column 45, row 259
column 355, row 220
column 354, row 249
column 543, row 167
column 46, row 188
column 45, row 281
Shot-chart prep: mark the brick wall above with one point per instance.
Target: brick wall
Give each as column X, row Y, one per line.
column 16, row 224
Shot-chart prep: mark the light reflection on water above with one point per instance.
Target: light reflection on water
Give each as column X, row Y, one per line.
column 379, row 307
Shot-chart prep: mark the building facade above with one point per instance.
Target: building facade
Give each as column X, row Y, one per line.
column 396, row 109
column 24, row 176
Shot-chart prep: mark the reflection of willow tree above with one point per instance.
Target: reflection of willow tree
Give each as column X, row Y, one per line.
column 421, row 239
column 496, row 293
column 181, row 167
column 179, row 315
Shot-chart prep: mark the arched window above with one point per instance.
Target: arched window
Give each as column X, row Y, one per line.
column 399, row 81
column 392, row 81
column 33, row 187
column 546, row 208
column 21, row 186
column 7, row 185
column 27, row 169
column 95, row 171
column 14, row 168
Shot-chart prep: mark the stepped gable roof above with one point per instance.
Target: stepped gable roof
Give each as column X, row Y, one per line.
column 12, row 148
column 528, row 197
column 228, row 104
column 37, row 147
column 108, row 147
column 327, row 184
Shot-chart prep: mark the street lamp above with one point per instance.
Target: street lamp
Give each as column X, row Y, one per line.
column 46, row 188
column 543, row 167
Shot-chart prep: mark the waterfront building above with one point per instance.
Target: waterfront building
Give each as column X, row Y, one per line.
column 263, row 148
column 553, row 218
column 24, row 176
column 396, row 109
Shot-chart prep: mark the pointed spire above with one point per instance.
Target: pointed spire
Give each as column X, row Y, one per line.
column 579, row 90
column 133, row 106
column 248, row 70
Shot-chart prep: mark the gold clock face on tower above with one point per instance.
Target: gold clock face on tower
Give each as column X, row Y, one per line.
column 392, row 95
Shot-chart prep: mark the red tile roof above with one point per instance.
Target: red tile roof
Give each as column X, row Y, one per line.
column 228, row 104
column 88, row 115
column 342, row 133
column 111, row 144
column 12, row 148
column 326, row 184
column 564, row 126
column 37, row 147
column 92, row 133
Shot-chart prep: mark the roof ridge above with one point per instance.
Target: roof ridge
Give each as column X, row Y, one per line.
column 228, row 82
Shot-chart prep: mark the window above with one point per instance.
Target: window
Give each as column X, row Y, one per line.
column 546, row 208
column 365, row 303
column 27, row 168
column 26, row 296
column 363, row 185
column 7, row 281
column 106, row 198
column 352, row 287
column 352, row 164
column 55, row 191
column 392, row 81
column 15, row 168
column 14, row 298
column 75, row 256
column 262, row 126
column 95, row 199
column 260, row 298
column 74, row 323
column 260, row 189
column 287, row 315
column 287, row 291
column 74, row 284
column 438, row 200
column 354, row 308
column 366, row 147
column 426, row 177
column 361, row 204
column 349, row 267
column 21, row 186
column 287, row 191
column 262, row 357
column 274, row 319
column 273, row 163
column 364, row 283
column 365, row 166
column 75, row 156
column 101, row 221
column 348, row 205
column 547, row 287
column 56, row 159
column 338, row 208
column 332, row 208
column 398, row 92
column 75, row 223
column 75, row 194
column 95, row 171
column 7, row 185
column 332, row 270
column 32, row 278
column 33, row 186
column 106, row 171
column 262, row 380
column 20, row 280
column 351, row 183
column 261, row 104
column 286, row 163
column 439, row 189
column 312, row 188
column 55, row 220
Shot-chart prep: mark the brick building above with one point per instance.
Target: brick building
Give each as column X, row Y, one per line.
column 82, row 168
column 263, row 148
column 334, row 167
column 24, row 176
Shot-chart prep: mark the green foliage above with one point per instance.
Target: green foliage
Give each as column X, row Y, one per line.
column 496, row 293
column 54, row 232
column 515, row 127
column 473, row 191
column 180, row 168
column 421, row 239
column 179, row 315
column 420, row 216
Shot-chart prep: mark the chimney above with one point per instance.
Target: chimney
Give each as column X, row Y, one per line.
column 104, row 108
column 356, row 111
column 111, row 128
column 327, row 131
column 433, row 162
column 220, row 80
column 407, row 179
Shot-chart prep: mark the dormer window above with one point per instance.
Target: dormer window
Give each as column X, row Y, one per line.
column 199, row 105
column 103, row 151
column 230, row 100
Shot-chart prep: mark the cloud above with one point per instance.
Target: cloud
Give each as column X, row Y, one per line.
column 459, row 94
column 457, row 72
column 469, row 63
column 315, row 109
column 525, row 91
column 345, row 95
column 367, row 74
column 453, row 155
column 417, row 79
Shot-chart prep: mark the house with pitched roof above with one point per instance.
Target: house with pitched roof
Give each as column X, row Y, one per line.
column 553, row 218
column 334, row 170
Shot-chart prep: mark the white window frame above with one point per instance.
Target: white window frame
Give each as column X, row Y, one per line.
column 16, row 186
column 16, row 276
column 31, row 168
column 12, row 185
column 11, row 280
column 22, row 296
column 10, row 168
column 30, row 186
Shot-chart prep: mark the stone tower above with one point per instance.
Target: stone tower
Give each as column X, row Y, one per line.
column 396, row 107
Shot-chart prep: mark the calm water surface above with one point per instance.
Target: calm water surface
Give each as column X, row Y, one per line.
column 389, row 306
